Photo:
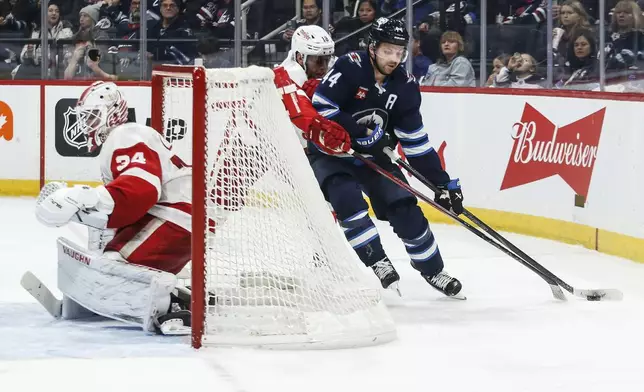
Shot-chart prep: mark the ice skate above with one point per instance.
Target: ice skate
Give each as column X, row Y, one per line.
column 387, row 274
column 446, row 284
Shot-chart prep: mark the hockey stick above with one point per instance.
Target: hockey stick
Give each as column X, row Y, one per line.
column 42, row 294
column 590, row 295
column 556, row 290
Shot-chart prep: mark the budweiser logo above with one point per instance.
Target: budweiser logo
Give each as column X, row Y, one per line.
column 542, row 149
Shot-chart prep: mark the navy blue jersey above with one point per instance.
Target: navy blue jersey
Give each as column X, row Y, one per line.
column 350, row 96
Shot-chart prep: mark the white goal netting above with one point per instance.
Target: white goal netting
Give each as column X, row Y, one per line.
column 278, row 270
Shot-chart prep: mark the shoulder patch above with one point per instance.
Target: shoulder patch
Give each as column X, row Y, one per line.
column 355, row 58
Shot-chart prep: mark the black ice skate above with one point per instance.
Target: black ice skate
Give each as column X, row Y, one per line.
column 387, row 274
column 445, row 284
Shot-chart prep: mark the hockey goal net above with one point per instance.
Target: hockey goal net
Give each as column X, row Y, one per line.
column 270, row 267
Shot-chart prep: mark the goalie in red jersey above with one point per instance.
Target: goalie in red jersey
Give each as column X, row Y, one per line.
column 139, row 219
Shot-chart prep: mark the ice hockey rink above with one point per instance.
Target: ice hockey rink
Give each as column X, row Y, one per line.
column 510, row 335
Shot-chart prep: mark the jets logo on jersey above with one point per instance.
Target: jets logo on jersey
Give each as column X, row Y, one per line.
column 372, row 117
column 355, row 58
column 362, row 93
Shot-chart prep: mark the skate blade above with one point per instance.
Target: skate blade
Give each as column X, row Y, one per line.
column 396, row 288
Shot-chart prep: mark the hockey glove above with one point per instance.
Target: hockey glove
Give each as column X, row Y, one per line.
column 374, row 144
column 309, row 87
column 80, row 204
column 329, row 136
column 451, row 196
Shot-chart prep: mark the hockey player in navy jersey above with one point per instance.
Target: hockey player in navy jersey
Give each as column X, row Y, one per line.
column 378, row 103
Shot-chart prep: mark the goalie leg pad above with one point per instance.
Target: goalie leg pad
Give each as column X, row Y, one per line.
column 111, row 287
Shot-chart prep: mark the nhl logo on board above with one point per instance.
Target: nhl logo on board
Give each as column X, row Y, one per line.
column 71, row 131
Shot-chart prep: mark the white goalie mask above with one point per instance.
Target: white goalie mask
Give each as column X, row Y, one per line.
column 311, row 41
column 100, row 108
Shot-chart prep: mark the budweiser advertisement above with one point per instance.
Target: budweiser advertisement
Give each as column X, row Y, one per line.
column 543, row 149
column 569, row 158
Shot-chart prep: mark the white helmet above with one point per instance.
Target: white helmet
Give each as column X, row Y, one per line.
column 100, row 108
column 311, row 40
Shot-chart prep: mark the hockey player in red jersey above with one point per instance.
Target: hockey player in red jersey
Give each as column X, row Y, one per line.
column 308, row 60
column 145, row 199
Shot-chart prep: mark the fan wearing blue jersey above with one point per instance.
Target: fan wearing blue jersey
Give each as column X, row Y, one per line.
column 371, row 96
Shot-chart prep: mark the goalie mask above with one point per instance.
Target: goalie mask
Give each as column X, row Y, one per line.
column 100, row 108
column 312, row 41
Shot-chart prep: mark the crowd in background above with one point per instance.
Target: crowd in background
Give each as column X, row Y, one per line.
column 100, row 39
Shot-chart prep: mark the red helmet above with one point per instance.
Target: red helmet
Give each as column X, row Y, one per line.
column 100, row 108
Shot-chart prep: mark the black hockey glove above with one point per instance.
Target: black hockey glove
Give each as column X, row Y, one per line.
column 451, row 196
column 374, row 144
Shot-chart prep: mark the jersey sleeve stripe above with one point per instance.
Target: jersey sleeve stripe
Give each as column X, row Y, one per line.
column 146, row 176
column 414, row 142
column 325, row 106
column 417, row 150
column 410, row 135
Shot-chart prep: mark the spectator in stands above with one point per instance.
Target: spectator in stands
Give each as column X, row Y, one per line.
column 31, row 55
column 525, row 12
column 453, row 69
column 626, row 43
column 217, row 17
column 70, row 9
column 84, row 61
column 171, row 26
column 19, row 15
column 581, row 66
column 455, row 16
column 521, row 72
column 498, row 64
column 365, row 14
column 420, row 62
column 311, row 15
column 572, row 18
column 112, row 17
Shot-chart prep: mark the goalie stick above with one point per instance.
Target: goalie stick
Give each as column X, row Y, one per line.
column 522, row 257
column 42, row 294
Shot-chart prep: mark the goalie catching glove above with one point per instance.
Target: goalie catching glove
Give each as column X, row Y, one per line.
column 58, row 205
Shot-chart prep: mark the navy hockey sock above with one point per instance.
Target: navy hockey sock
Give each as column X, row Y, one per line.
column 363, row 237
column 345, row 195
column 412, row 228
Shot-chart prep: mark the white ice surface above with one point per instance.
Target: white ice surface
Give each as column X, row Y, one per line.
column 510, row 335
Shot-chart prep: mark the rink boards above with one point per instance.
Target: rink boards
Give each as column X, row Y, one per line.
column 566, row 166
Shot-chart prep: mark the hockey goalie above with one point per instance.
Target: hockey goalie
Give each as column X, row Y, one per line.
column 139, row 220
